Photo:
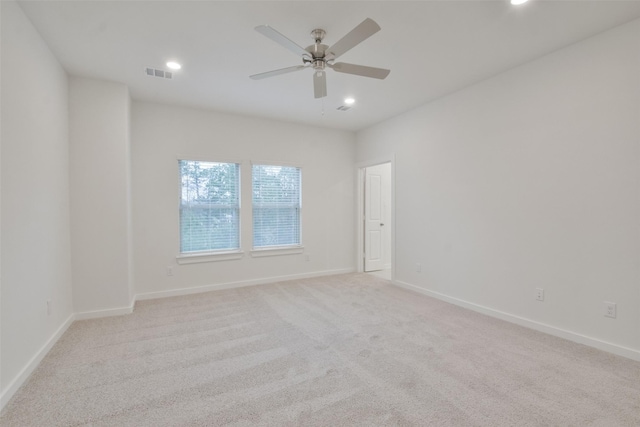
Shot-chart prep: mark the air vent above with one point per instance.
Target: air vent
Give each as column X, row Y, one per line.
column 154, row 72
column 343, row 108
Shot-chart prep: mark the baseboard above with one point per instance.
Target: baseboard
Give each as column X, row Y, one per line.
column 238, row 284
column 528, row 323
column 24, row 374
column 104, row 313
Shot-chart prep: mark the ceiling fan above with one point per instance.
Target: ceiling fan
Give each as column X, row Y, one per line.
column 319, row 56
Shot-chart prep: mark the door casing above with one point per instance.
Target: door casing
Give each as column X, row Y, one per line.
column 361, row 166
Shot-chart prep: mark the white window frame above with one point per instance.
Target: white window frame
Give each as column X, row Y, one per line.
column 212, row 254
column 263, row 251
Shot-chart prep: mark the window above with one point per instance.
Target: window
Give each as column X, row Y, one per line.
column 209, row 206
column 276, row 206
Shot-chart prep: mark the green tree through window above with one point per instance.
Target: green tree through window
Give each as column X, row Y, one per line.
column 209, row 206
column 276, row 206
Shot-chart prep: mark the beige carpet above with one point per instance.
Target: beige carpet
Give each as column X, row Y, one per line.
column 332, row 351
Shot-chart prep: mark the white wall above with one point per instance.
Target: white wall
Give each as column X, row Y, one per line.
column 100, row 195
column 162, row 134
column 35, row 199
column 529, row 179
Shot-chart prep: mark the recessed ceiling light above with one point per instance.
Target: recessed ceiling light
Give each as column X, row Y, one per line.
column 174, row 65
column 518, row 2
column 349, row 101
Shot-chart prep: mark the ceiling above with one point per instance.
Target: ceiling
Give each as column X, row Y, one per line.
column 432, row 48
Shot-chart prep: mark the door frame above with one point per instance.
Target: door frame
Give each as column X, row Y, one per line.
column 361, row 166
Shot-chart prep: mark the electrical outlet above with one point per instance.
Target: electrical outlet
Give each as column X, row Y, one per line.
column 170, row 270
column 610, row 309
column 48, row 307
column 418, row 267
column 540, row 294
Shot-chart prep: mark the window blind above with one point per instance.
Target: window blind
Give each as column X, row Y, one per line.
column 276, row 206
column 209, row 206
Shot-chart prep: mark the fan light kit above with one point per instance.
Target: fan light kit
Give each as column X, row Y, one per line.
column 318, row 56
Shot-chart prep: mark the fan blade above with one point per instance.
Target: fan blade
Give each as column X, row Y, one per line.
column 366, row 29
column 360, row 70
column 277, row 72
column 283, row 41
column 319, row 84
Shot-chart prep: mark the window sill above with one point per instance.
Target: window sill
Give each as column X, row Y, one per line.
column 276, row 251
column 208, row 257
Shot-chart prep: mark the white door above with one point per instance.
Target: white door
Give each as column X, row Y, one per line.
column 373, row 221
